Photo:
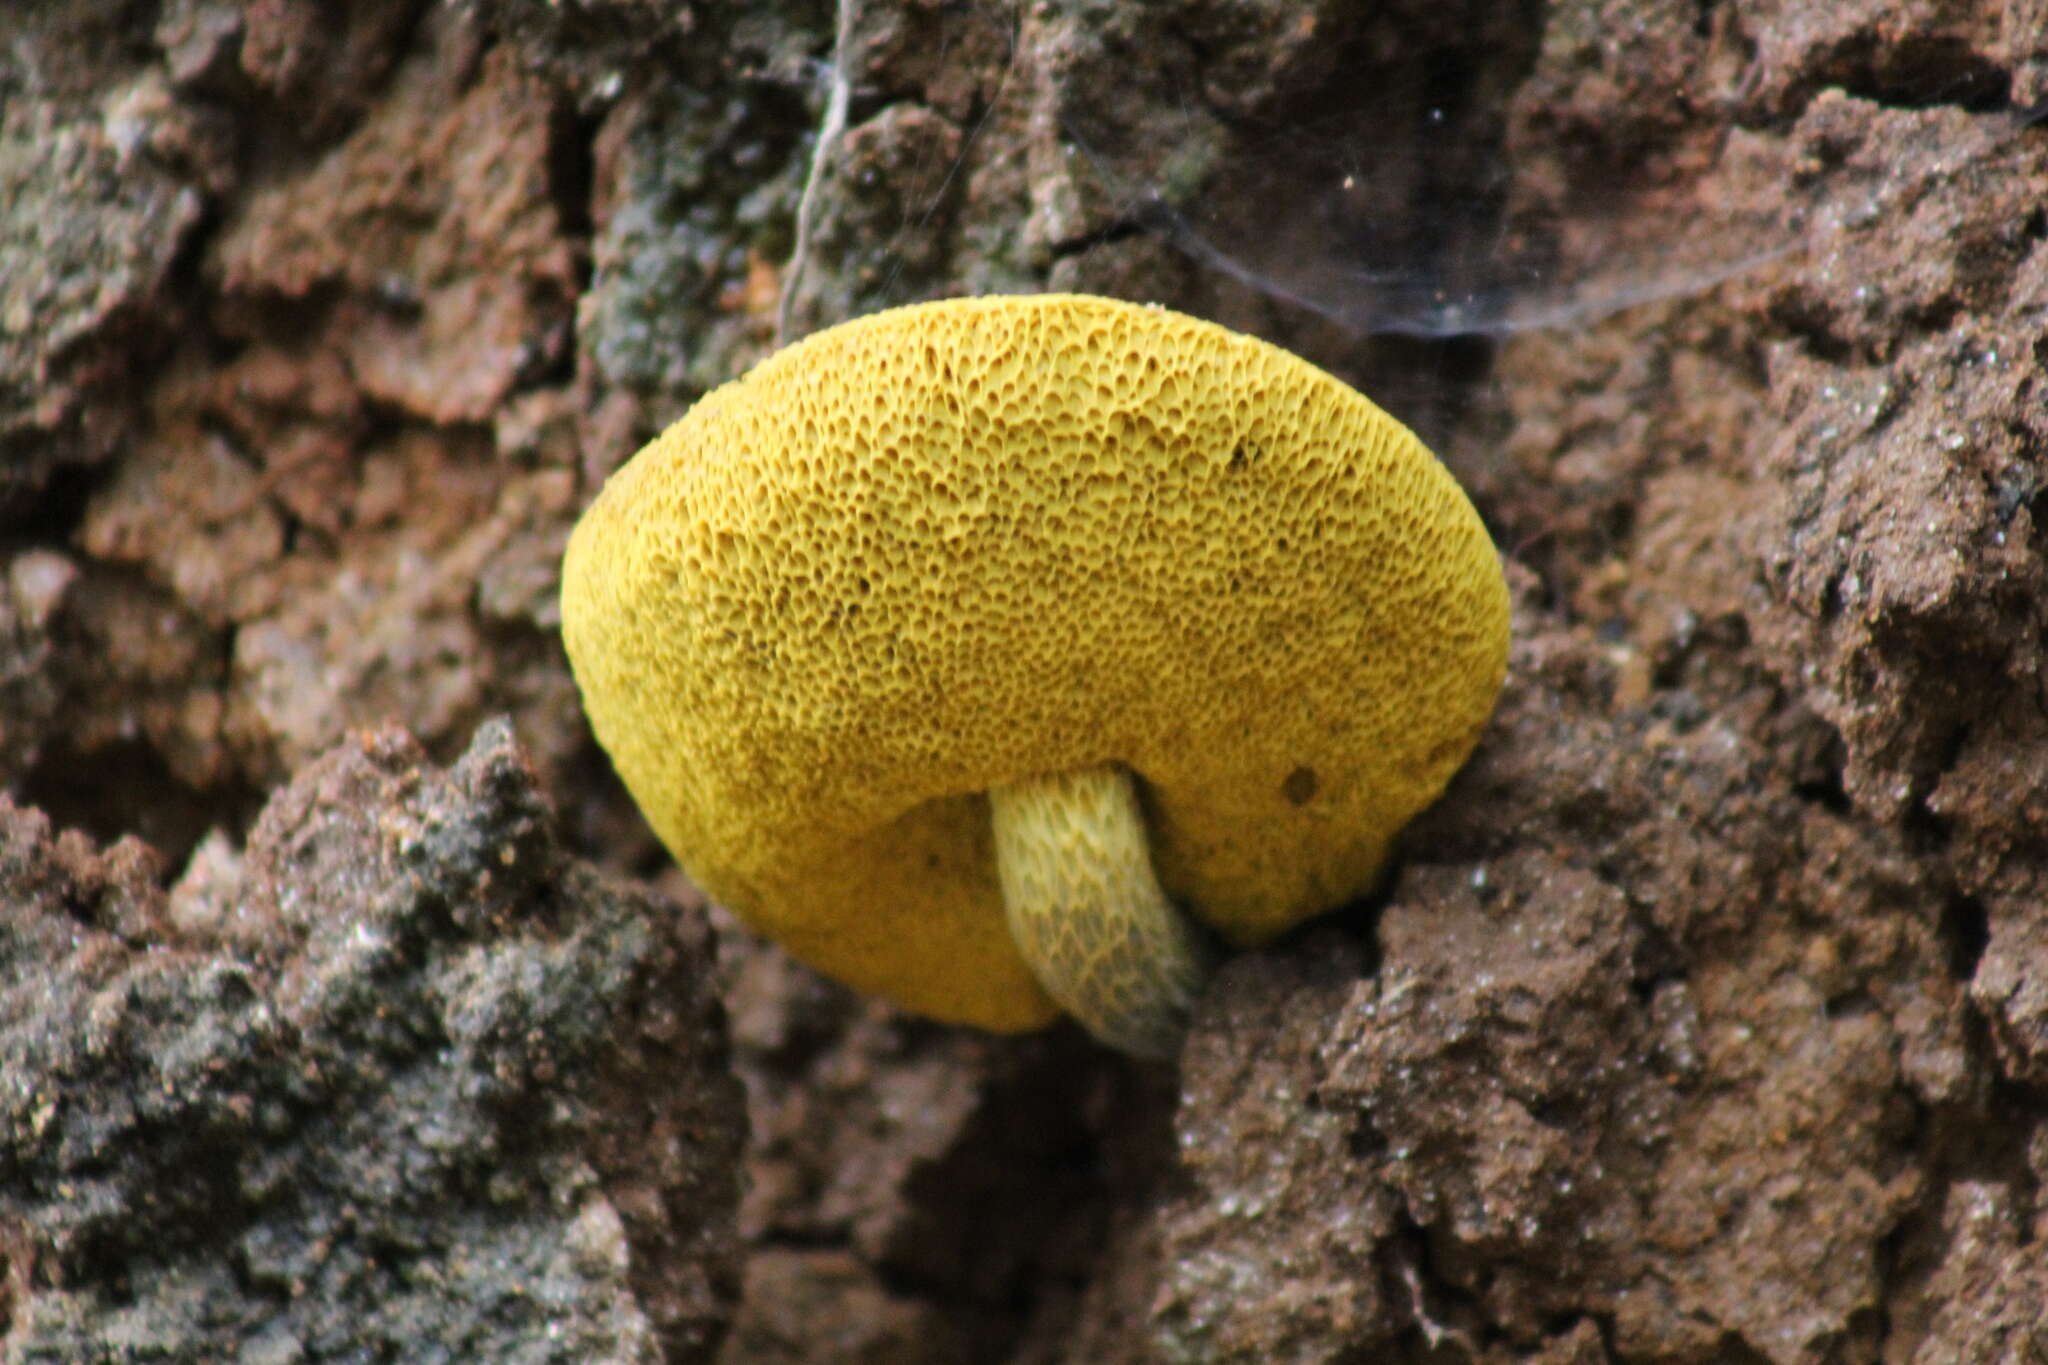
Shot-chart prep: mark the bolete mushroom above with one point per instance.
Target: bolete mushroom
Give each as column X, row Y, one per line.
column 994, row 654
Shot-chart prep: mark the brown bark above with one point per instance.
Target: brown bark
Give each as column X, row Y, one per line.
column 1704, row 1020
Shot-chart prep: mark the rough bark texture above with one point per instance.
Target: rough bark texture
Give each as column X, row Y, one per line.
column 1706, row 1018
column 400, row 1081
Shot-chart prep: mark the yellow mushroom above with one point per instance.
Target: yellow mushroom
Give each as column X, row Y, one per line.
column 994, row 654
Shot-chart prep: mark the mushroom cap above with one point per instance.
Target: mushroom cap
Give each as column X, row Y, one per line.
column 957, row 544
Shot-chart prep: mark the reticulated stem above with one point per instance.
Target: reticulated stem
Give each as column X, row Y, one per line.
column 1089, row 915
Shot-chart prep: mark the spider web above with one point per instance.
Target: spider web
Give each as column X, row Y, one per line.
column 1408, row 214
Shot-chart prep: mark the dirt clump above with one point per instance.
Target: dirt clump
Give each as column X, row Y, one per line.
column 400, row 1078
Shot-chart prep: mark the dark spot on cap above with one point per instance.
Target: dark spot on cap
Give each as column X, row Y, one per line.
column 1300, row 785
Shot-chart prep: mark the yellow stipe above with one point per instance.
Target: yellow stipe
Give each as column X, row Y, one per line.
column 1087, row 912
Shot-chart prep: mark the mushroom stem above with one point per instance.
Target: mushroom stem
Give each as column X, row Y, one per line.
column 1089, row 915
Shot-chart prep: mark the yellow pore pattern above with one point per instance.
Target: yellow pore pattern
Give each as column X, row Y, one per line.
column 947, row 546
